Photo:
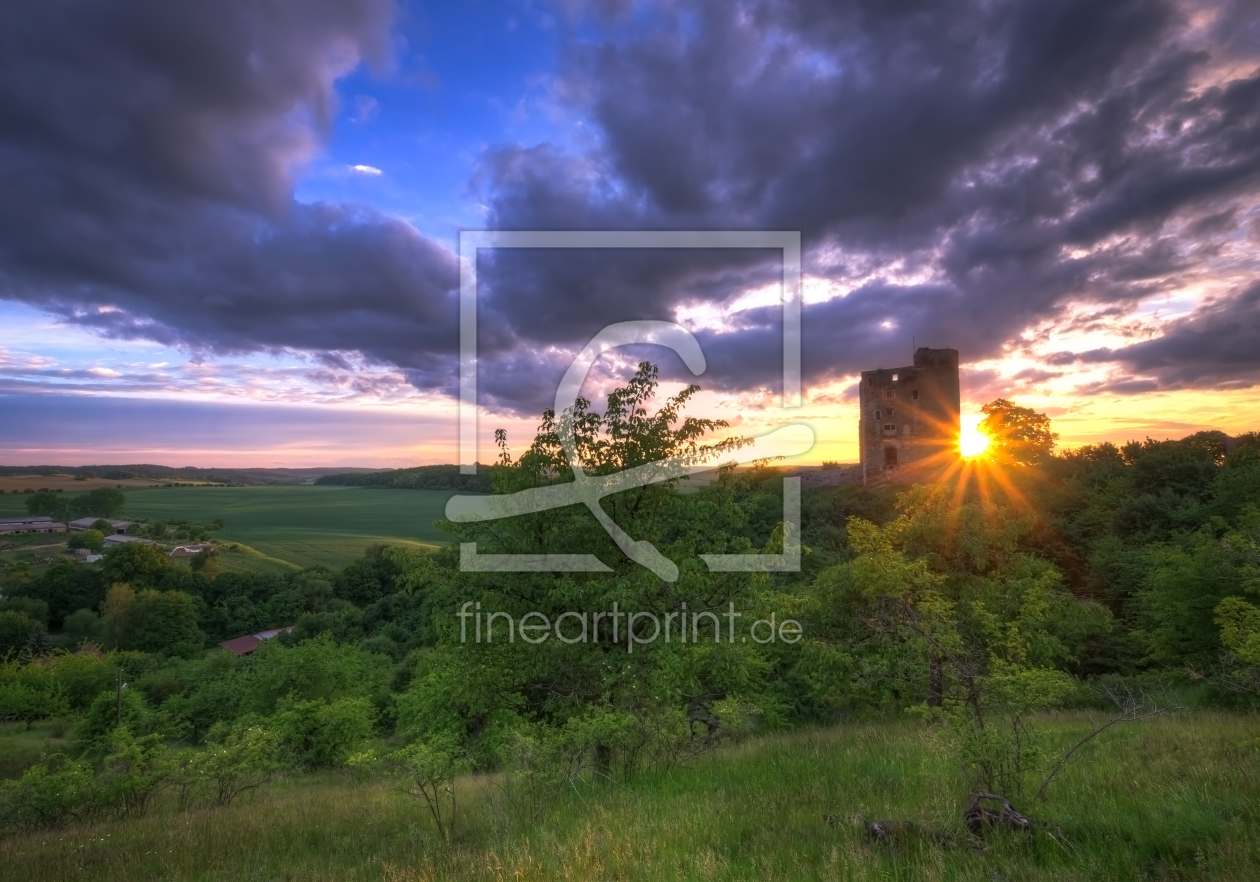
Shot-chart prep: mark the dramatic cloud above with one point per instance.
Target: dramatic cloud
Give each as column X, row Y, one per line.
column 1019, row 179
column 147, row 157
column 962, row 171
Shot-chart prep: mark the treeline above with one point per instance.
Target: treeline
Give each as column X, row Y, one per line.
column 231, row 476
column 435, row 477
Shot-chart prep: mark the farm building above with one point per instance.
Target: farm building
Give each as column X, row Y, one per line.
column 910, row 414
column 31, row 524
column 248, row 643
column 86, row 524
column 120, row 538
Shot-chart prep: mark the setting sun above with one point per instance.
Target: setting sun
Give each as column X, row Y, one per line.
column 971, row 441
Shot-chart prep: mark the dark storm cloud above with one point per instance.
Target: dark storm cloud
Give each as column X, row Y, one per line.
column 964, row 169
column 1019, row 157
column 147, row 154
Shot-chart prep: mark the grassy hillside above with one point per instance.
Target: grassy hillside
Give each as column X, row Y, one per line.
column 300, row 524
column 1177, row 798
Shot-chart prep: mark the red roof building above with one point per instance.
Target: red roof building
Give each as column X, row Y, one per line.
column 247, row 643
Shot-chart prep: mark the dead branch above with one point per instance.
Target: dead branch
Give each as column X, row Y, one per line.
column 1131, row 708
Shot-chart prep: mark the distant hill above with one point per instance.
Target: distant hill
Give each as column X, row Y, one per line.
column 434, row 477
column 185, row 473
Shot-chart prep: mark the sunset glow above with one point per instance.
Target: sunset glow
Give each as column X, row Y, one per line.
column 972, row 442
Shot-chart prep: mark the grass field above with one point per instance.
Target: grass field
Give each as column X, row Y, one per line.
column 298, row 525
column 1174, row 799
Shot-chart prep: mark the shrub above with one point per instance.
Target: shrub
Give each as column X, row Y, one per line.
column 233, row 762
column 49, row 795
column 317, row 734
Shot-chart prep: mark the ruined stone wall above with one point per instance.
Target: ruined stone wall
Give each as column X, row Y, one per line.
column 910, row 414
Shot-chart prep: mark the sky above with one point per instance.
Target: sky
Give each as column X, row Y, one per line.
column 229, row 231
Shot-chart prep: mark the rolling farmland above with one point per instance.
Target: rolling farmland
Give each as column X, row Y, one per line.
column 299, row 525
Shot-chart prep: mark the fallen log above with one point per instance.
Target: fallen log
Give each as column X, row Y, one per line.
column 981, row 815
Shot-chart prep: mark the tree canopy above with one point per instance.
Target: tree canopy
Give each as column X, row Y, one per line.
column 1017, row 435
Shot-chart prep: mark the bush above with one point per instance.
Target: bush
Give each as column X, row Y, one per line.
column 233, row 762
column 317, row 734
column 49, row 795
column 135, row 771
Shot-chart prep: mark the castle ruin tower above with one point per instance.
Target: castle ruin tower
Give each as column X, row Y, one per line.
column 910, row 414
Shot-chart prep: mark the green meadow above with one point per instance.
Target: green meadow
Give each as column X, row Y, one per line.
column 1176, row 798
column 281, row 526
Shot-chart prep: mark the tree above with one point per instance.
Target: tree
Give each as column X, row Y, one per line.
column 81, row 626
column 644, row 693
column 116, row 612
column 20, row 633
column 162, row 621
column 1017, row 435
column 134, row 562
column 92, row 540
column 943, row 599
column 30, row 692
column 103, row 502
column 46, row 502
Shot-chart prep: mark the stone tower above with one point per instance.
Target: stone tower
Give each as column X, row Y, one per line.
column 910, row 414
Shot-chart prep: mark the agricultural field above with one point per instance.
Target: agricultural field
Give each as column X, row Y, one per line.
column 68, row 483
column 284, row 526
column 1177, row 798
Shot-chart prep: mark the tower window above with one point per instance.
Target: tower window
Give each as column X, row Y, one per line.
column 914, row 394
column 890, row 427
column 877, row 413
column 889, row 393
column 895, row 378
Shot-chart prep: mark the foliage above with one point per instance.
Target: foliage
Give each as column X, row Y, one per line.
column 435, row 477
column 234, row 761
column 20, row 634
column 48, row 796
column 93, row 540
column 135, row 770
column 945, row 596
column 163, row 621
column 1017, row 435
column 427, row 770
column 322, row 734
column 30, row 692
column 81, row 626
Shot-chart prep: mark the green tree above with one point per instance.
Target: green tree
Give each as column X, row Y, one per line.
column 135, row 563
column 234, row 761
column 483, row 694
column 320, row 734
column 116, row 610
column 103, row 502
column 943, row 599
column 81, row 626
column 1017, row 435
column 162, row 621
column 92, row 540
column 19, row 633
column 30, row 692
column 46, row 502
